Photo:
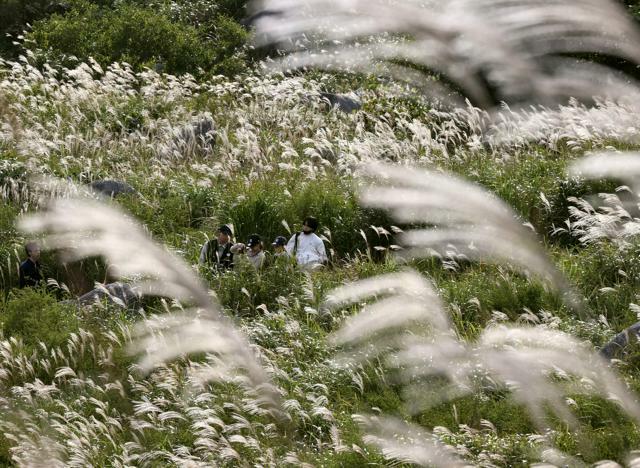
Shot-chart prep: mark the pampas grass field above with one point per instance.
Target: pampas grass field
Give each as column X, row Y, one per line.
column 479, row 209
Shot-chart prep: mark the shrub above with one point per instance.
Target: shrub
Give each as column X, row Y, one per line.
column 244, row 289
column 140, row 36
column 35, row 316
column 263, row 206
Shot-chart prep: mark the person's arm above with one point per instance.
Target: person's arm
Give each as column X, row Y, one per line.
column 260, row 260
column 291, row 244
column 23, row 281
column 37, row 273
column 203, row 253
column 322, row 251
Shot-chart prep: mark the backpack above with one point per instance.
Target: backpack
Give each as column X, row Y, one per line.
column 295, row 244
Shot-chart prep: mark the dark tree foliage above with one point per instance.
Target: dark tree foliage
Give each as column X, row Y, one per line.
column 16, row 14
column 175, row 35
column 142, row 35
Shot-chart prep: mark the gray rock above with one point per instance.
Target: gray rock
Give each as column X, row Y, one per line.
column 111, row 188
column 199, row 135
column 617, row 345
column 345, row 102
column 118, row 293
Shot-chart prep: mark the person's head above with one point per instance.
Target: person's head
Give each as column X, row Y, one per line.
column 309, row 225
column 279, row 243
column 224, row 234
column 254, row 243
column 32, row 249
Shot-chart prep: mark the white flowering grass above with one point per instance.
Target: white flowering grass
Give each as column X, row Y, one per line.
column 81, row 405
column 466, row 220
column 84, row 228
column 615, row 215
column 485, row 48
column 540, row 366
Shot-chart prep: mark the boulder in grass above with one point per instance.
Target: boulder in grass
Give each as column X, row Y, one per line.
column 199, row 135
column 345, row 102
column 618, row 344
column 121, row 294
column 111, row 188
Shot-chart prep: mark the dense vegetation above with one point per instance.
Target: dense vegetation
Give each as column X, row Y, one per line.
column 176, row 37
column 69, row 389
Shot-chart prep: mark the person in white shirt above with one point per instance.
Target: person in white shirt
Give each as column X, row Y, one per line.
column 253, row 250
column 307, row 248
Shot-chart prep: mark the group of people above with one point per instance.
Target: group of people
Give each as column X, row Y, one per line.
column 304, row 246
column 220, row 253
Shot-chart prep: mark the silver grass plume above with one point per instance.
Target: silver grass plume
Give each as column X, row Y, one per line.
column 539, row 366
column 477, row 224
column 407, row 443
column 407, row 292
column 492, row 50
column 617, row 217
column 82, row 228
column 623, row 166
column 525, row 358
column 407, row 313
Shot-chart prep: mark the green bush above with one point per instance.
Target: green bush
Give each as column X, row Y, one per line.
column 263, row 206
column 141, row 36
column 35, row 316
column 198, row 12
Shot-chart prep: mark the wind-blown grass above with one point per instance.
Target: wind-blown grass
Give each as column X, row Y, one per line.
column 84, row 228
column 469, row 223
column 615, row 218
column 541, row 367
column 279, row 154
column 491, row 50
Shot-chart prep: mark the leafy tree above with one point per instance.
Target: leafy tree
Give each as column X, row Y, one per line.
column 16, row 14
column 141, row 36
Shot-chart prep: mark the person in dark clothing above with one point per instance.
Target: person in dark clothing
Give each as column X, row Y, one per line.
column 217, row 252
column 30, row 273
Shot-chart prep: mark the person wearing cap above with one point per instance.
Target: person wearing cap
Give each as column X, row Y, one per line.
column 30, row 271
column 306, row 247
column 279, row 250
column 217, row 252
column 253, row 250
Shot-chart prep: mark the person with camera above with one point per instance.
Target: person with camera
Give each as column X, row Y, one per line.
column 253, row 251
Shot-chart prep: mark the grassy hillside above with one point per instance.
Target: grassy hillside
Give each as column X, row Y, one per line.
column 71, row 392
